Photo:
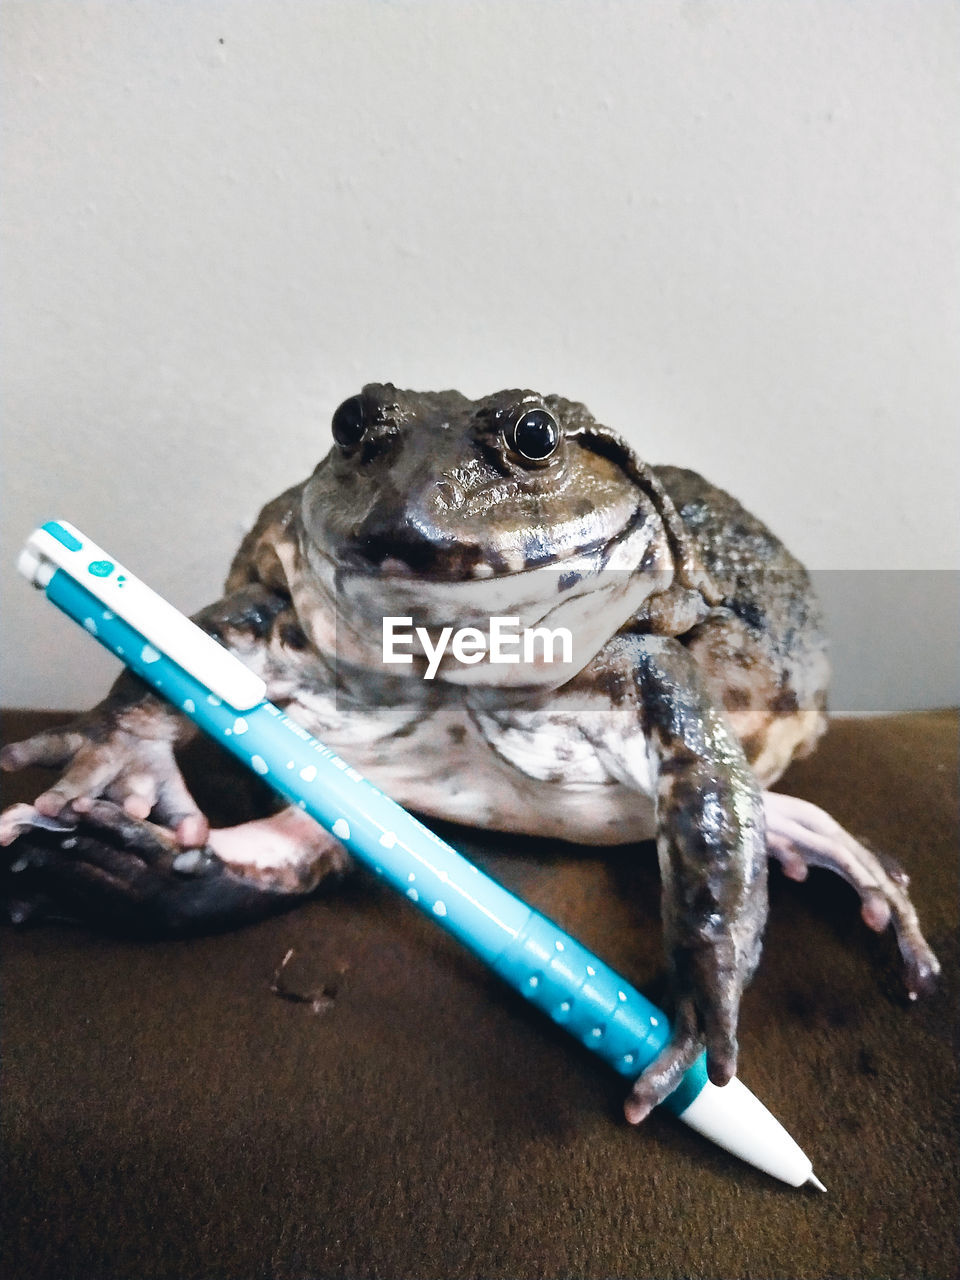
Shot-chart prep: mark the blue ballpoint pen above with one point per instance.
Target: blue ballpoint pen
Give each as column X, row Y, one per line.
column 537, row 958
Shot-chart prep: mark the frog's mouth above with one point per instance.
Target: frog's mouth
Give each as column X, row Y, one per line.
column 591, row 593
column 424, row 553
column 443, row 581
column 400, row 556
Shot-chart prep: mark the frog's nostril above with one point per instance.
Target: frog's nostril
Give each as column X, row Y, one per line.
column 378, row 443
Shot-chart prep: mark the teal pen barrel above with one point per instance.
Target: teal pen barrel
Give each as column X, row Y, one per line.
column 534, row 956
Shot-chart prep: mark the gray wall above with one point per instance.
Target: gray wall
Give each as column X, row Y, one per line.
column 732, row 229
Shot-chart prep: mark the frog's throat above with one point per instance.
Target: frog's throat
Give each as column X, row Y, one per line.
column 591, row 596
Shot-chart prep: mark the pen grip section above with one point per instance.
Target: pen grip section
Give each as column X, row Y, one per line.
column 577, row 991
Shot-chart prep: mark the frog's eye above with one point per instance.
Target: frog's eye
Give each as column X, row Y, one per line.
column 536, row 435
column 347, row 423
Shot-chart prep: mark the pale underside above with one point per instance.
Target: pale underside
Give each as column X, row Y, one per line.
column 534, row 773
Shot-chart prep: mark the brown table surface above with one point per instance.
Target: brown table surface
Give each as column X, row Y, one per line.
column 166, row 1115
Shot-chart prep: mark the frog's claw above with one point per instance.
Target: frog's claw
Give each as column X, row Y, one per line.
column 800, row 836
column 666, row 1071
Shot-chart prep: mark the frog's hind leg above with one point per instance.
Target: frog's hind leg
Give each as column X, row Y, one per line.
column 287, row 852
column 800, row 836
column 105, row 867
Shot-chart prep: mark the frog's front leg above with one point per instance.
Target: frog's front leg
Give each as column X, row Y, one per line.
column 86, row 847
column 711, row 849
column 123, row 749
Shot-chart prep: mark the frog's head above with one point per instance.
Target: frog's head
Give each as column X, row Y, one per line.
column 449, row 509
column 444, row 488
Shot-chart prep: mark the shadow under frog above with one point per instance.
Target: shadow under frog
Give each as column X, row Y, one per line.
column 699, row 672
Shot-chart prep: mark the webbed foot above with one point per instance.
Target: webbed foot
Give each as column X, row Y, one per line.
column 102, row 866
column 800, row 836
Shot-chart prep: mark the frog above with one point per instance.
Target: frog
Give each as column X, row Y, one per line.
column 700, row 671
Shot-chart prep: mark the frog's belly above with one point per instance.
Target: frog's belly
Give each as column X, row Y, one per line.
column 482, row 796
column 441, row 765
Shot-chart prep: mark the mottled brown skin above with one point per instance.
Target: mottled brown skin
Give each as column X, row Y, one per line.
column 700, row 672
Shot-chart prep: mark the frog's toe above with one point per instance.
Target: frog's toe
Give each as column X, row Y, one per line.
column 52, row 749
column 22, row 817
column 722, row 1048
column 800, row 835
column 177, row 810
column 666, row 1071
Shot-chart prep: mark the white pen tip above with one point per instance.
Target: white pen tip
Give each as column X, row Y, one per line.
column 814, row 1181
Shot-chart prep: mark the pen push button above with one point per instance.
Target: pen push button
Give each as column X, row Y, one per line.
column 155, row 619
